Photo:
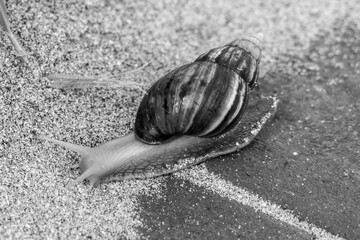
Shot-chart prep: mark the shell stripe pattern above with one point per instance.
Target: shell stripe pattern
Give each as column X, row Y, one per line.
column 237, row 59
column 200, row 99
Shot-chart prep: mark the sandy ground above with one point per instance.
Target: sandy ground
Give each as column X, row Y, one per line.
column 306, row 164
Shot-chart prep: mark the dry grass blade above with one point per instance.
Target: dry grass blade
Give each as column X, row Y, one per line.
column 134, row 70
column 4, row 21
column 65, row 81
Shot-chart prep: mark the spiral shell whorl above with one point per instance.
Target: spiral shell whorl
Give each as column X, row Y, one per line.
column 253, row 44
column 200, row 99
column 242, row 56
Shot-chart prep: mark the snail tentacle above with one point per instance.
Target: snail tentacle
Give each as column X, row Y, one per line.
column 73, row 147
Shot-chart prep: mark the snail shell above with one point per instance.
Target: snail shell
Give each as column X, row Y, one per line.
column 187, row 116
column 205, row 98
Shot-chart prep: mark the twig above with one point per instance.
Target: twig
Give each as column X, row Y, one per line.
column 4, row 22
column 66, row 81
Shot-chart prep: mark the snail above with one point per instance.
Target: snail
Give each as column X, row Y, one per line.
column 193, row 113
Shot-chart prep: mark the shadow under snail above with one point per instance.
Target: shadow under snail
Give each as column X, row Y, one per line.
column 189, row 115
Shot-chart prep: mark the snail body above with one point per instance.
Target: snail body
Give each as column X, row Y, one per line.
column 187, row 116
